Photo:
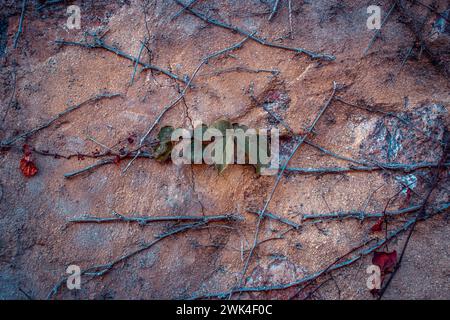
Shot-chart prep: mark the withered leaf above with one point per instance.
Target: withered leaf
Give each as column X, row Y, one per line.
column 377, row 227
column 385, row 260
column 164, row 148
column 27, row 166
column 165, row 133
column 222, row 125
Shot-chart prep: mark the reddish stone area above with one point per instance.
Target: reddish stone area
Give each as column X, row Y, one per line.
column 391, row 106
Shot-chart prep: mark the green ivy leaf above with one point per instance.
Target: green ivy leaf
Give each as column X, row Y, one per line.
column 222, row 125
column 203, row 130
column 258, row 166
column 163, row 150
column 165, row 133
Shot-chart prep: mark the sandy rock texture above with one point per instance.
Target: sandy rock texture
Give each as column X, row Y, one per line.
column 397, row 76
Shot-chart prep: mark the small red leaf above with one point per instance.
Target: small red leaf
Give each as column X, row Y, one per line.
column 27, row 166
column 385, row 260
column 375, row 292
column 117, row 160
column 377, row 227
column 407, row 200
column 26, row 150
column 273, row 96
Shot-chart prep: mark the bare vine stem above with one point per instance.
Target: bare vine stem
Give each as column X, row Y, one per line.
column 57, row 117
column 19, row 30
column 421, row 212
column 278, row 179
column 143, row 43
column 99, row 43
column 274, row 9
column 102, row 269
column 218, row 23
column 144, row 220
column 332, row 267
column 382, row 166
column 340, row 215
column 182, row 94
column 378, row 32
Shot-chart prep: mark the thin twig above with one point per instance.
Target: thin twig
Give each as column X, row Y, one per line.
column 49, row 3
column 26, row 294
column 182, row 94
column 274, row 9
column 240, row 69
column 388, row 114
column 291, row 30
column 370, row 196
column 190, row 4
column 278, row 179
column 81, row 155
column 100, row 144
column 334, row 266
column 310, row 143
column 55, row 118
column 202, row 16
column 435, row 58
column 372, row 109
column 112, row 160
column 99, row 43
column 100, row 270
column 138, row 59
column 144, row 220
column 19, row 30
column 335, row 155
column 420, row 215
column 405, row 59
column 277, row 218
column 382, row 166
column 377, row 33
column 408, row 53
column 362, row 215
column 89, row 168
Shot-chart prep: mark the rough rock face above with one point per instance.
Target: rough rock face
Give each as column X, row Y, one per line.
column 391, row 106
column 391, row 137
